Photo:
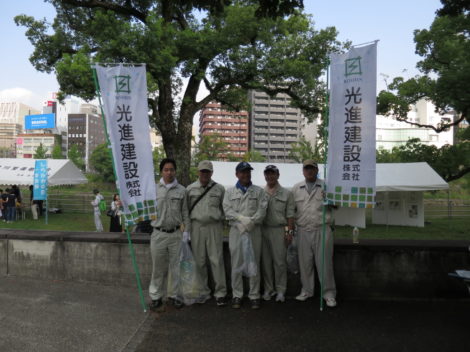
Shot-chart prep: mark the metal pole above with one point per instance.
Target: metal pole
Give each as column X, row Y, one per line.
column 129, row 241
column 325, row 160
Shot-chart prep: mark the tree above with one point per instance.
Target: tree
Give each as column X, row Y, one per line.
column 253, row 156
column 445, row 69
column 227, row 46
column 101, row 163
column 210, row 147
column 40, row 152
column 303, row 150
column 76, row 157
column 57, row 152
column 446, row 161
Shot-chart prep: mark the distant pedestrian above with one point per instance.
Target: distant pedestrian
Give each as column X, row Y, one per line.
column 11, row 206
column 96, row 210
column 116, row 207
column 2, row 198
column 34, row 203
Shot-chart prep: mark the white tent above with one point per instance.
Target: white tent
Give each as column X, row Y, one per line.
column 21, row 172
column 399, row 189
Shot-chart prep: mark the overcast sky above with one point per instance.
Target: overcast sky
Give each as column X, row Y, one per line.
column 391, row 22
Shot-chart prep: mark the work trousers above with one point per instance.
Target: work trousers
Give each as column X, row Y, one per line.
column 273, row 259
column 164, row 249
column 34, row 211
column 236, row 261
column 98, row 224
column 310, row 254
column 207, row 245
column 11, row 213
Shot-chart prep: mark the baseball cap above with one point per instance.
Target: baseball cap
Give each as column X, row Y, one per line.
column 310, row 162
column 243, row 166
column 205, row 165
column 271, row 168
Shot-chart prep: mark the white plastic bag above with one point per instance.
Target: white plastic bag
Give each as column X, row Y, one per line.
column 185, row 274
column 247, row 261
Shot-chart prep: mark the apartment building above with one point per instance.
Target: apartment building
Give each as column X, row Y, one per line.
column 232, row 126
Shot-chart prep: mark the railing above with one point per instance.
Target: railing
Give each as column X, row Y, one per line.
column 446, row 209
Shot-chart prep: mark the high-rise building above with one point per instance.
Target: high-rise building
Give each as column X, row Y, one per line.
column 11, row 125
column 86, row 131
column 231, row 126
column 392, row 133
column 274, row 125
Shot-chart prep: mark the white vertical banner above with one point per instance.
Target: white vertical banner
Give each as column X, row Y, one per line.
column 351, row 143
column 124, row 97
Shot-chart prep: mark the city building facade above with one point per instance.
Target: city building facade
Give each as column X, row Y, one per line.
column 274, row 126
column 231, row 126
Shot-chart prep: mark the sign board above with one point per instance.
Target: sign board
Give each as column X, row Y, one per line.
column 35, row 122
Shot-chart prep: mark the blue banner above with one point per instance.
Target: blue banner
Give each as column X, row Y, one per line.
column 33, row 122
column 40, row 180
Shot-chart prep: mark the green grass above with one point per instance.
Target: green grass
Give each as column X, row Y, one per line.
column 434, row 229
column 58, row 222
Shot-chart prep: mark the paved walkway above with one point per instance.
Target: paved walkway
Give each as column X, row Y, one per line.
column 51, row 316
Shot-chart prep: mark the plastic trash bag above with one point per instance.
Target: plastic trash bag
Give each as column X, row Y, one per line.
column 247, row 261
column 293, row 257
column 185, row 274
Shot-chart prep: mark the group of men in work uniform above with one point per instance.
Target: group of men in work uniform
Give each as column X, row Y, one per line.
column 270, row 216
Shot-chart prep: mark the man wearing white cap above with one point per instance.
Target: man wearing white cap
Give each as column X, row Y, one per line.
column 205, row 199
column 309, row 197
column 245, row 208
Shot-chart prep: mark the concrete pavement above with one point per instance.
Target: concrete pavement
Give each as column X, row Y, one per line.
column 49, row 316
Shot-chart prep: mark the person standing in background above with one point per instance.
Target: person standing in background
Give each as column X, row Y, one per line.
column 115, row 220
column 96, row 210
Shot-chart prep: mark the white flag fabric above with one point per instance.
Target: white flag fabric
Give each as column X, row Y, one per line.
column 124, row 98
column 351, row 143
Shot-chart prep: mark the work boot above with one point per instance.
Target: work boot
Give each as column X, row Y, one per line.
column 236, row 302
column 221, row 301
column 255, row 304
column 156, row 303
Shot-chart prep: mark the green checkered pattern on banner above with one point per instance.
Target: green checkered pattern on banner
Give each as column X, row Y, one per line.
column 357, row 197
column 145, row 210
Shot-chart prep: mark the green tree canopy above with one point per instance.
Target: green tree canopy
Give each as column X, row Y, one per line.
column 40, row 152
column 57, row 152
column 303, row 150
column 76, row 156
column 100, row 162
column 227, row 46
column 210, row 147
column 445, row 73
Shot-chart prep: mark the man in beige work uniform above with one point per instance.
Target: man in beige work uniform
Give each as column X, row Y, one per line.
column 165, row 241
column 278, row 228
column 205, row 199
column 245, row 208
column 309, row 197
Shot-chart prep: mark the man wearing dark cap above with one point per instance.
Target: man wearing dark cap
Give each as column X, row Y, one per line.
column 245, row 209
column 278, row 228
column 205, row 199
column 309, row 198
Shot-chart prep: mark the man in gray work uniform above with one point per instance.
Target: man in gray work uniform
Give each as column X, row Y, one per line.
column 309, row 196
column 278, row 228
column 165, row 241
column 205, row 199
column 245, row 208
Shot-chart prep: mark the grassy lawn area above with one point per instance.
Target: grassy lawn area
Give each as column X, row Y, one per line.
column 434, row 229
column 58, row 222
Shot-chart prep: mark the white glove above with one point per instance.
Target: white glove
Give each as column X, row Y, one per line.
column 246, row 222
column 186, row 236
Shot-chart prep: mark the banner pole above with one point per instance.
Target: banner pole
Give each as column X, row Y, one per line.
column 325, row 160
column 129, row 240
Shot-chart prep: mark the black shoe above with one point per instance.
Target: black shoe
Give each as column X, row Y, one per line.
column 156, row 303
column 221, row 301
column 178, row 303
column 236, row 302
column 255, row 304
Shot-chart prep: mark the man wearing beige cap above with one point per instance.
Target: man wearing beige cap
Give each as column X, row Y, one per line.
column 309, row 198
column 205, row 199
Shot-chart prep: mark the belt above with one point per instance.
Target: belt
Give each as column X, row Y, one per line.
column 167, row 231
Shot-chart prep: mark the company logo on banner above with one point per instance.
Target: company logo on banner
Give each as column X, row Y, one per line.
column 40, row 180
column 124, row 93
column 351, row 145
